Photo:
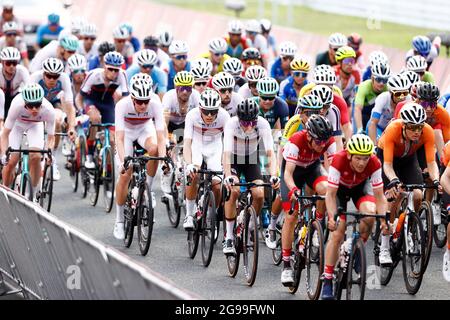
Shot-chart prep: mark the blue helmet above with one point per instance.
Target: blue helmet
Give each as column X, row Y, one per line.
column 114, row 59
column 53, row 18
column 422, row 45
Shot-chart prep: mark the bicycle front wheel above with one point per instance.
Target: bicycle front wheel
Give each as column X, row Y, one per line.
column 45, row 199
column 250, row 245
column 208, row 227
column 108, row 178
column 356, row 272
column 315, row 260
column 426, row 216
column 26, row 189
column 145, row 216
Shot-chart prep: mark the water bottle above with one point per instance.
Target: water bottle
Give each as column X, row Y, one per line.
column 398, row 224
column 302, row 237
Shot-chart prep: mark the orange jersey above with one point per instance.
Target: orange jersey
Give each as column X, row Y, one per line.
column 394, row 145
column 446, row 155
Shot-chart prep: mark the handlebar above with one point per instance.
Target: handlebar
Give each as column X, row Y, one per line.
column 359, row 215
column 313, row 198
column 102, row 125
column 142, row 159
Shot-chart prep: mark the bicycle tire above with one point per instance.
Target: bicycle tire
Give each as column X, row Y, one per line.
column 45, row 199
column 108, row 178
column 26, row 187
column 385, row 271
column 74, row 171
column 357, row 249
column 426, row 215
column 297, row 263
column 313, row 257
column 440, row 233
column 145, row 214
column 129, row 218
column 193, row 240
column 250, row 264
column 208, row 227
column 276, row 253
column 233, row 260
column 96, row 187
column 174, row 213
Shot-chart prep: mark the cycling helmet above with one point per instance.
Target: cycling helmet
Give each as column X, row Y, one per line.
column 210, row 100
column 309, row 101
column 140, row 89
column 10, row 26
column 266, row 25
column 413, row 113
column 77, row 25
column 422, row 45
column 381, row 70
column 77, row 62
column 106, row 47
column 114, row 59
column 183, row 78
column 32, row 93
column 428, row 92
column 142, row 76
column 8, row 4
column 218, row 45
column 255, row 73
column 89, row 30
column 248, row 110
column 268, row 87
column 233, row 66
column 325, row 77
column 288, row 48
column 178, row 47
column 235, row 27
column 151, row 42
column 361, row 145
column 398, row 83
column 416, row 64
column 53, row 18
column 337, row 40
column 121, row 33
column 10, row 53
column 411, row 76
column 253, row 26
column 319, row 127
column 53, row 66
column 69, row 42
column 127, row 26
column 165, row 38
column 322, row 67
column 377, row 56
column 300, row 64
column 345, row 52
column 354, row 40
column 201, row 69
column 413, row 90
column 251, row 53
column 324, row 93
column 223, row 80
column 146, row 57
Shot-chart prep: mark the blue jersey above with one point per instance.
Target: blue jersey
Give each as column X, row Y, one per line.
column 289, row 94
column 94, row 63
column 45, row 35
column 172, row 73
column 277, row 72
column 136, row 44
column 279, row 111
column 159, row 78
column 367, row 74
column 52, row 94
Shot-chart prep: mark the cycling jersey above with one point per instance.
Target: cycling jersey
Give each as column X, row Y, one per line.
column 245, row 92
column 169, row 69
column 19, row 45
column 279, row 111
column 2, row 105
column 127, row 53
column 236, row 52
column 53, row 95
column 219, row 67
column 428, row 77
column 365, row 97
column 87, row 54
column 259, row 43
column 231, row 108
column 277, row 72
column 11, row 87
column 172, row 106
column 293, row 125
column 45, row 35
column 288, row 93
column 135, row 43
column 49, row 51
column 446, row 155
column 382, row 111
column 324, row 58
column 352, row 83
column 159, row 77
column 163, row 57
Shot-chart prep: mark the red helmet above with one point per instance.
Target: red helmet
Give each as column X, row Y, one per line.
column 354, row 40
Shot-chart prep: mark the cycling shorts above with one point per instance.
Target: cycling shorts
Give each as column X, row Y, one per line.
column 358, row 194
column 35, row 135
column 247, row 166
column 407, row 169
column 107, row 111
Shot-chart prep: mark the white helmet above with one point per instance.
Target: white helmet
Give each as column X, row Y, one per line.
column 416, row 64
column 380, row 69
column 288, row 48
column 77, row 62
column 255, row 73
column 178, row 47
column 325, row 77
column 253, row 26
column 235, row 27
column 142, row 76
column 399, row 82
column 337, row 40
column 323, row 67
column 165, row 38
column 89, row 30
column 210, row 100
column 140, row 89
column 218, row 45
column 233, row 66
column 53, row 66
column 223, row 80
column 77, row 25
column 413, row 113
column 121, row 32
column 377, row 56
column 10, row 54
column 411, row 76
column 266, row 25
column 201, row 69
column 324, row 93
column 146, row 57
column 10, row 26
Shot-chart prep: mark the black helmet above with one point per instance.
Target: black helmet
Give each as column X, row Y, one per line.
column 106, row 47
column 428, row 92
column 319, row 127
column 247, row 110
column 151, row 42
column 251, row 53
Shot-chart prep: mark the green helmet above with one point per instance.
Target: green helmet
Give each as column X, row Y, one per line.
column 268, row 87
column 32, row 93
column 309, row 102
column 69, row 42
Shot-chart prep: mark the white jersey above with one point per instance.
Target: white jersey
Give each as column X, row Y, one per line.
column 2, row 105
column 163, row 58
column 11, row 87
column 127, row 119
column 202, row 134
column 19, row 116
column 231, row 108
column 259, row 43
column 128, row 50
column 245, row 92
column 49, row 51
column 383, row 110
column 63, row 87
column 172, row 106
column 87, row 54
column 19, row 45
column 241, row 143
column 334, row 116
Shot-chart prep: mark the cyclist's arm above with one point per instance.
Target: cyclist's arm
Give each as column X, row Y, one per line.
column 373, row 122
column 79, row 101
column 428, row 136
column 289, row 175
column 4, row 142
column 330, row 201
column 388, row 155
column 439, row 140
column 445, row 180
column 120, row 138
column 227, row 148
column 359, row 105
column 50, row 141
column 187, row 152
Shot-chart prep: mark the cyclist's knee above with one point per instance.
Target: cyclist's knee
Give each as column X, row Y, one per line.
column 321, row 188
column 418, row 195
column 35, row 157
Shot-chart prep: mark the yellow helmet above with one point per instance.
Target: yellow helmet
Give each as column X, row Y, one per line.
column 300, row 64
column 345, row 52
column 361, row 145
column 183, row 78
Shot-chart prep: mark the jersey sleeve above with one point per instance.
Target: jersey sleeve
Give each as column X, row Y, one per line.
column 339, row 102
column 290, row 128
column 378, row 108
column 377, row 179
column 266, row 135
column 119, row 111
column 428, row 138
column 159, row 116
column 189, row 125
column 50, row 121
column 388, row 141
column 361, row 94
column 331, row 150
column 13, row 113
column 228, row 133
column 444, row 119
column 334, row 175
column 2, row 104
column 335, row 119
column 87, row 84
column 67, row 88
column 123, row 85
column 161, row 80
column 283, row 113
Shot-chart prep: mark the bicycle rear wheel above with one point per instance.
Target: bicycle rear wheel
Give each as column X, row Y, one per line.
column 208, row 227
column 385, row 271
column 173, row 206
column 108, row 178
column 276, row 253
column 250, row 245
column 26, row 189
column 145, row 216
column 233, row 260
column 45, row 199
column 440, row 231
column 426, row 216
column 315, row 260
column 356, row 272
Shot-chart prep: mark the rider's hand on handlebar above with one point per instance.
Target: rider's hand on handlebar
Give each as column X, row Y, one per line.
column 190, row 171
column 332, row 226
column 275, row 181
column 4, row 160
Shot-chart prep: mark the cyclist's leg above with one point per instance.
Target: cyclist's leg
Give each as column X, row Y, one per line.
column 123, row 179
column 147, row 139
column 317, row 180
column 214, row 163
column 35, row 136
column 15, row 138
column 410, row 172
column 230, row 205
column 252, row 173
column 59, row 119
column 95, row 118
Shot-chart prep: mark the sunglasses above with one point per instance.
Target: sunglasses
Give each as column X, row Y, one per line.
column 120, row 41
column 141, row 102
column 90, row 38
column 209, row 112
column 51, row 76
column 31, row 106
column 381, row 80
column 414, row 127
column 11, row 63
column 79, row 71
column 112, row 70
column 226, row 90
column 200, row 84
column 428, row 104
column 250, row 123
column 252, row 84
column 70, row 52
column 184, row 88
column 219, row 54
column 285, row 58
column 335, row 49
column 348, row 61
column 300, row 74
column 12, row 34
column 267, row 98
column 181, row 57
column 399, row 94
column 309, row 112
column 319, row 142
column 251, row 33
column 252, row 62
column 147, row 66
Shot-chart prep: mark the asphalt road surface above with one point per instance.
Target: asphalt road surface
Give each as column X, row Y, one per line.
column 168, row 256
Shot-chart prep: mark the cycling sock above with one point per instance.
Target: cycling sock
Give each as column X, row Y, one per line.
column 35, row 190
column 273, row 222
column 190, row 205
column 385, row 241
column 150, row 182
column 328, row 272
column 286, row 253
column 230, row 230
column 119, row 213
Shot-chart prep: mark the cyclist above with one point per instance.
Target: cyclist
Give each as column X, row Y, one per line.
column 12, row 76
column 253, row 74
column 385, row 103
column 355, row 40
column 132, row 39
column 11, row 38
column 223, row 83
column 235, row 67
column 165, row 40
column 48, row 32
column 244, row 135
column 445, row 102
column 301, row 166
column 29, row 111
column 422, row 46
column 281, row 68
column 133, row 123
column 418, row 64
column 348, row 78
column 251, row 57
column 88, row 48
column 367, row 92
column 235, row 41
column 8, row 16
column 256, row 40
column 290, row 87
column 374, row 58
column 178, row 51
column 271, row 107
column 348, row 178
column 97, row 61
column 78, row 67
column 201, row 70
column 266, row 27
column 216, row 54
column 445, row 182
column 335, row 41
column 98, row 96
column 123, row 46
column 152, row 43
column 76, row 26
column 203, row 144
column 146, row 60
